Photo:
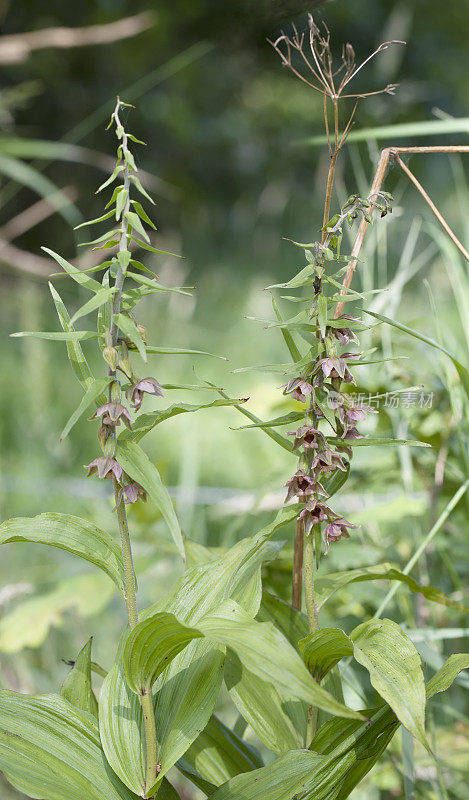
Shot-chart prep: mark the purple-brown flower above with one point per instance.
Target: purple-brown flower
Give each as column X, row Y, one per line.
column 144, row 386
column 308, row 437
column 303, row 486
column 112, row 414
column 327, row 461
column 299, row 389
column 313, row 514
column 337, row 529
column 345, row 335
column 131, row 493
column 336, row 367
column 104, row 467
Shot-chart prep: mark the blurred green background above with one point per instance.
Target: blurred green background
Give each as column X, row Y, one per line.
column 228, row 163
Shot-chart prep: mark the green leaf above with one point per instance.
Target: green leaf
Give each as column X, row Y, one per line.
column 136, row 224
column 137, row 464
column 146, row 422
column 121, row 199
column 73, row 534
column 51, row 750
column 445, row 676
column 304, row 277
column 140, row 188
column 75, row 353
column 327, row 585
column 151, row 646
column 179, row 351
column 94, row 221
column 142, row 213
column 461, row 370
column 154, row 285
column 323, row 649
column 58, row 336
column 77, row 688
column 264, row 651
column 146, row 246
column 393, row 663
column 25, row 174
column 286, row 419
column 402, row 130
column 219, row 754
column 292, row 623
column 94, row 391
column 370, row 442
column 288, row 338
column 80, row 277
column 277, row 437
column 101, row 297
column 118, row 169
column 129, row 329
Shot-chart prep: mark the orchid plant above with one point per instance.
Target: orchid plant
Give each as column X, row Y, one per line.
column 155, row 709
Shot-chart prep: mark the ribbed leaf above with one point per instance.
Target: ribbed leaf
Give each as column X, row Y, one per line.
column 151, row 646
column 219, row 754
column 137, row 464
column 77, row 688
column 179, row 351
column 76, row 535
column 323, row 649
column 445, row 676
column 58, row 336
column 393, row 663
column 51, row 750
column 75, row 353
column 94, row 391
column 146, row 422
column 101, row 297
column 80, row 277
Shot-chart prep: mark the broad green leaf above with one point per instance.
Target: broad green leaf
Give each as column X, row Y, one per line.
column 393, row 663
column 129, row 328
column 327, row 585
column 137, row 464
column 264, row 651
column 58, row 336
column 77, row 688
column 75, row 353
column 94, row 391
column 323, row 649
column 51, row 750
column 306, row 775
column 460, row 368
column 219, row 754
column 322, row 314
column 292, row 623
column 145, row 422
column 445, row 676
column 151, row 646
column 277, row 717
column 80, row 277
column 101, row 297
column 76, row 535
column 135, row 222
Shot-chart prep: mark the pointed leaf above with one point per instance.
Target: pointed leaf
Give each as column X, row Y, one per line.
column 137, row 464
column 323, row 649
column 101, row 297
column 77, row 688
column 75, row 353
column 445, row 676
column 94, row 391
column 75, row 535
column 80, row 277
column 129, row 329
column 146, row 422
column 57, row 336
column 136, row 224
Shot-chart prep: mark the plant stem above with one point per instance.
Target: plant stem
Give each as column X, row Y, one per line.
column 312, row 612
column 150, row 740
column 297, row 576
column 126, row 547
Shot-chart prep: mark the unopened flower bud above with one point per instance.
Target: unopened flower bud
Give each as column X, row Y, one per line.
column 110, row 356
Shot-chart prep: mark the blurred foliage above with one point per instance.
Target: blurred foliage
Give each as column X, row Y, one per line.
column 223, row 123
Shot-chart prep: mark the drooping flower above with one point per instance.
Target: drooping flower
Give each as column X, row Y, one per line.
column 144, row 386
column 337, row 529
column 112, row 414
column 104, row 467
column 308, row 437
column 345, row 335
column 336, row 367
column 301, row 485
column 299, row 389
column 327, row 461
column 131, row 493
column 314, row 513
